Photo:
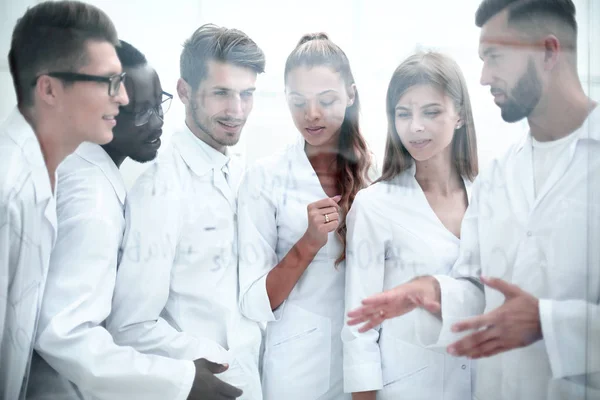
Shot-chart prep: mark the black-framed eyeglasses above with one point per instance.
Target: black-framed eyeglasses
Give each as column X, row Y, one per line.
column 114, row 81
column 142, row 117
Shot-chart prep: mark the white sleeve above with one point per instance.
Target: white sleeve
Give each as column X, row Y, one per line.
column 78, row 299
column 257, row 240
column 367, row 237
column 571, row 331
column 22, row 277
column 462, row 293
column 6, row 223
column 144, row 275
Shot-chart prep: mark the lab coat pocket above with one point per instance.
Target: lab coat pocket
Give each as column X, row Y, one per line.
column 411, row 371
column 297, row 356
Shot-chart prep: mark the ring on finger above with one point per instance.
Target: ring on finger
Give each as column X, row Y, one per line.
column 326, row 218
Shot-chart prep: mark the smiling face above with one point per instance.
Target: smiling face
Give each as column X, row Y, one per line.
column 217, row 111
column 87, row 107
column 317, row 98
column 140, row 143
column 425, row 120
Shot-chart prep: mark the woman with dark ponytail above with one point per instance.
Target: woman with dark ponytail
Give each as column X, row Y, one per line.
column 292, row 230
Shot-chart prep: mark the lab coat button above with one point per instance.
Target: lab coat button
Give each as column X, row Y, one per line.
column 464, row 366
column 529, row 233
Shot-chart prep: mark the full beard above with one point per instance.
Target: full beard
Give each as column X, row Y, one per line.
column 524, row 97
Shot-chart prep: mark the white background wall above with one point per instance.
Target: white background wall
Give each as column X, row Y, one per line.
column 376, row 34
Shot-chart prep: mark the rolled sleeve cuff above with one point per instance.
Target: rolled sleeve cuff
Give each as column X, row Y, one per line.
column 363, row 378
column 189, row 373
column 457, row 304
column 550, row 339
column 256, row 305
column 212, row 351
column 427, row 328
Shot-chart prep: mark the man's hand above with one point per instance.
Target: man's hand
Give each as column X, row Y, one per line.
column 514, row 324
column 420, row 292
column 207, row 386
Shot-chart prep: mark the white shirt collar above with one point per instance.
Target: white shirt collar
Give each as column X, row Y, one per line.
column 198, row 155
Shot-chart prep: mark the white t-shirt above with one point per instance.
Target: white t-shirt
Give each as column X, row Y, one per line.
column 545, row 155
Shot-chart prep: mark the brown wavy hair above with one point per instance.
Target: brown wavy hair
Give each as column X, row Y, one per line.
column 442, row 72
column 353, row 158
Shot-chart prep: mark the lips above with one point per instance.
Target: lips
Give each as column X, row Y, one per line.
column 419, row 143
column 497, row 93
column 315, row 130
column 154, row 139
column 230, row 126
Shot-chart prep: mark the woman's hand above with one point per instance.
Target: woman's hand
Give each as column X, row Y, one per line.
column 323, row 217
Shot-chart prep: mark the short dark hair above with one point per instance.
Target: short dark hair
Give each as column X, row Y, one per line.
column 519, row 10
column 129, row 56
column 53, row 36
column 212, row 42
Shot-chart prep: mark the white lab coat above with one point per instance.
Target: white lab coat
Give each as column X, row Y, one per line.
column 303, row 348
column 177, row 283
column 394, row 236
column 547, row 245
column 71, row 337
column 27, row 235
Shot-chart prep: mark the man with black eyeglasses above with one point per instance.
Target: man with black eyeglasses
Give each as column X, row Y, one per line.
column 68, row 81
column 76, row 356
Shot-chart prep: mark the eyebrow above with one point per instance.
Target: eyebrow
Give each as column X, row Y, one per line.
column 425, row 106
column 226, row 89
column 318, row 94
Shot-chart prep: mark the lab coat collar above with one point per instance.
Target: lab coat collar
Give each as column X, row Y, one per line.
column 19, row 130
column 412, row 171
column 202, row 158
column 590, row 129
column 96, row 155
column 199, row 156
column 306, row 170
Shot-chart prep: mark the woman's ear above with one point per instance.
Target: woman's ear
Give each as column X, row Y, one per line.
column 351, row 95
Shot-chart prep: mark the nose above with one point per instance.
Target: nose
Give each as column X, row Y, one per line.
column 234, row 106
column 486, row 76
column 121, row 98
column 155, row 121
column 313, row 112
column 416, row 124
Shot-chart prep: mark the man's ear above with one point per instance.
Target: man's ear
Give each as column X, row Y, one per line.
column 552, row 49
column 184, row 91
column 48, row 89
